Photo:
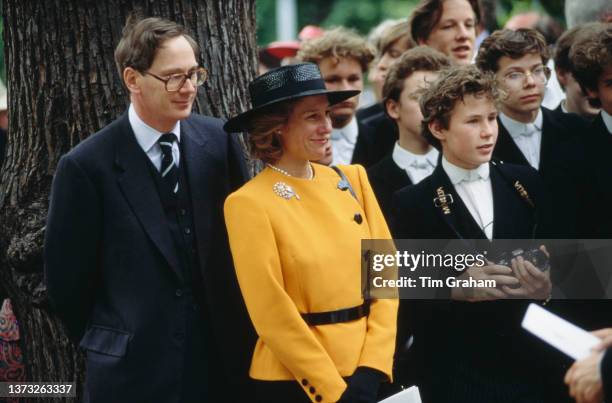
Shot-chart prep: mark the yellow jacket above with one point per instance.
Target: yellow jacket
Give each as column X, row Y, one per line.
column 300, row 256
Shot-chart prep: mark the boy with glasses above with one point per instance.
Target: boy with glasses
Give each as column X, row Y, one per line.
column 529, row 134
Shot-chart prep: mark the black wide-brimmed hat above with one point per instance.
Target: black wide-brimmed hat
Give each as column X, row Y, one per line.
column 283, row 84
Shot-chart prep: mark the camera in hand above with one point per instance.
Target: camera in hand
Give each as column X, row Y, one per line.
column 534, row 255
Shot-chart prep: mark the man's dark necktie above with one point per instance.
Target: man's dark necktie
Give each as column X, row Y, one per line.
column 169, row 169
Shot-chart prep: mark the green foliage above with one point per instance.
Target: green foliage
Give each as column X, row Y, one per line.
column 361, row 15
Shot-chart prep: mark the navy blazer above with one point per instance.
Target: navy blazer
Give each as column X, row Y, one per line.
column 386, row 178
column 460, row 346
column 377, row 136
column 606, row 373
column 113, row 274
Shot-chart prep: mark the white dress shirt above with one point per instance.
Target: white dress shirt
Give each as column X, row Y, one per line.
column 343, row 143
column 527, row 136
column 418, row 167
column 474, row 188
column 147, row 137
column 607, row 119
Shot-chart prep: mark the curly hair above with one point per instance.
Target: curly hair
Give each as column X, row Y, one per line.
column 263, row 129
column 590, row 55
column 510, row 43
column 428, row 13
column 336, row 43
column 421, row 58
column 439, row 99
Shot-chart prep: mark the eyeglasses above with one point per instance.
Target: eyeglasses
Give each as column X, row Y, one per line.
column 175, row 82
column 539, row 74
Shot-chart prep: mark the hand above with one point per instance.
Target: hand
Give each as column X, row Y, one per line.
column 584, row 380
column 362, row 386
column 606, row 339
column 535, row 284
column 501, row 274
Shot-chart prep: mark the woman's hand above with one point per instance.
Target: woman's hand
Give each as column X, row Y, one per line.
column 362, row 386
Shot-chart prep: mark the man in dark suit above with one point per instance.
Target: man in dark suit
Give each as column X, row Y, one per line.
column 136, row 257
column 471, row 349
column 412, row 158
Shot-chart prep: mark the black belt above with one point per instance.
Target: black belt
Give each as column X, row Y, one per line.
column 339, row 316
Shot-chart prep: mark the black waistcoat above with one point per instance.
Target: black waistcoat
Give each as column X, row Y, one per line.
column 179, row 219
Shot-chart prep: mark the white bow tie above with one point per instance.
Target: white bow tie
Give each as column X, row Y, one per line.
column 419, row 163
column 530, row 130
column 472, row 176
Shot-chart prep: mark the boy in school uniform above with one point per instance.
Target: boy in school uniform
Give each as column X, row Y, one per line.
column 530, row 134
column 472, row 348
column 575, row 100
column 412, row 157
column 592, row 66
column 343, row 58
column 378, row 142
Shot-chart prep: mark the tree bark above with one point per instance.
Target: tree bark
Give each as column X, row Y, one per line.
column 63, row 86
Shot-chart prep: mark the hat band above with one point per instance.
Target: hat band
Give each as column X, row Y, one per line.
column 296, row 88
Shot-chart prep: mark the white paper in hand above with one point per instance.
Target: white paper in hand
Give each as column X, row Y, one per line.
column 559, row 333
column 410, row 395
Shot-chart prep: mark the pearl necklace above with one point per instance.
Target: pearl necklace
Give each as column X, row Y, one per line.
column 282, row 171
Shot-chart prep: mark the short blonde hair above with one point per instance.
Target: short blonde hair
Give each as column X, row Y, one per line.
column 338, row 42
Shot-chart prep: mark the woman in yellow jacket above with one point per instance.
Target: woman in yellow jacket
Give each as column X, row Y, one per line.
column 295, row 233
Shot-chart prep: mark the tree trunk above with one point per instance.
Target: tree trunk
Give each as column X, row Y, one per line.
column 63, row 86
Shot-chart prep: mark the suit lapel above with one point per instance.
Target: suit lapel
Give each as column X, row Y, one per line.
column 395, row 176
column 457, row 216
column 503, row 216
column 139, row 189
column 550, row 136
column 197, row 161
column 509, row 209
column 506, row 149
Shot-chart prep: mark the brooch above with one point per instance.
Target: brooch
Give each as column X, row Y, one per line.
column 443, row 200
column 523, row 193
column 285, row 191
